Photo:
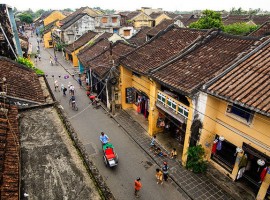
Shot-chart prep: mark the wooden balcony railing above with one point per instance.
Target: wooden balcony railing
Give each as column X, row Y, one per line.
column 169, row 102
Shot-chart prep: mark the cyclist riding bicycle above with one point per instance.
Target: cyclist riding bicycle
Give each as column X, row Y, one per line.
column 72, row 101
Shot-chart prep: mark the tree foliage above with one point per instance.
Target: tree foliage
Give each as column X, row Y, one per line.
column 195, row 160
column 24, row 17
column 240, row 11
column 210, row 19
column 239, row 28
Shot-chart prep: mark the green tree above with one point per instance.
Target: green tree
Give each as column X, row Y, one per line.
column 68, row 10
column 195, row 159
column 39, row 12
column 27, row 18
column 239, row 28
column 210, row 19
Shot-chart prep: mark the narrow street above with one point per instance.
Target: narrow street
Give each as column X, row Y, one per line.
column 89, row 122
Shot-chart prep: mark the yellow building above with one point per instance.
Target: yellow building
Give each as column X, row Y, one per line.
column 139, row 19
column 158, row 17
column 47, row 37
column 73, row 49
column 54, row 15
column 236, row 123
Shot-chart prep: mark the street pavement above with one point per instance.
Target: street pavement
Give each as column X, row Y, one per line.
column 89, row 122
column 131, row 142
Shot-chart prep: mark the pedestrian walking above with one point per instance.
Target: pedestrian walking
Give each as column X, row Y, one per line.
column 165, row 171
column 72, row 90
column 80, row 82
column 39, row 57
column 51, row 61
column 87, row 81
column 159, row 176
column 56, row 86
column 138, row 186
column 153, row 143
column 64, row 91
column 55, row 60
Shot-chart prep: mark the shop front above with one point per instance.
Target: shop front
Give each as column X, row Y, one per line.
column 172, row 117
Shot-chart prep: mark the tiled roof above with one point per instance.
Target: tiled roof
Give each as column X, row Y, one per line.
column 22, row 82
column 132, row 14
column 231, row 19
column 160, row 48
column 101, row 64
column 72, row 21
column 104, row 35
column 49, row 26
column 260, row 19
column 188, row 21
column 171, row 14
column 93, row 50
column 247, row 83
column 263, row 30
column 72, row 15
column 208, row 57
column 154, row 15
column 161, row 26
column 140, row 37
column 86, row 37
column 9, row 153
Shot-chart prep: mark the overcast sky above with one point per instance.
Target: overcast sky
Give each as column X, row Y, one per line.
column 169, row 5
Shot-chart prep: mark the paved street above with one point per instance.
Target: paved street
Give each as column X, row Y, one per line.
column 89, row 122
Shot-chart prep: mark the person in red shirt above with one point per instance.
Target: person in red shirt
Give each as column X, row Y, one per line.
column 138, row 186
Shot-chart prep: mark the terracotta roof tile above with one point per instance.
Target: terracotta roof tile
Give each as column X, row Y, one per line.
column 72, row 15
column 154, row 15
column 248, row 82
column 260, row 19
column 161, row 26
column 132, row 14
column 231, row 19
column 72, row 21
column 9, row 154
column 101, row 64
column 160, row 48
column 140, row 37
column 22, row 82
column 92, row 51
column 209, row 57
column 263, row 30
column 86, row 37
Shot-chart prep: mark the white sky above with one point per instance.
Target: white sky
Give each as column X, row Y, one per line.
column 168, row 5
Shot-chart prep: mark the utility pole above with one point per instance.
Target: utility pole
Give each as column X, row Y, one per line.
column 112, row 85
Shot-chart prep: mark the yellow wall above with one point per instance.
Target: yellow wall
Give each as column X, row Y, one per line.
column 53, row 16
column 142, row 20
column 160, row 18
column 218, row 121
column 46, row 38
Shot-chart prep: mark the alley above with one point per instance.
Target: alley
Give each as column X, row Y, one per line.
column 89, row 122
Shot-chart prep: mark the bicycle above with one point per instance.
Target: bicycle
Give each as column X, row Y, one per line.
column 73, row 104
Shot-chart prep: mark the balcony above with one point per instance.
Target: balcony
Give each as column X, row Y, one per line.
column 173, row 107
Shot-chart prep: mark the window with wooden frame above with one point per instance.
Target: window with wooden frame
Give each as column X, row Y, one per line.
column 104, row 20
column 126, row 32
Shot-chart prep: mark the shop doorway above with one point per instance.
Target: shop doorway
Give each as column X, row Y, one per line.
column 172, row 134
column 142, row 102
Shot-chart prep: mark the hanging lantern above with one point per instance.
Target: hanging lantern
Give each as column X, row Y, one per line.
column 239, row 150
column 261, row 163
column 221, row 138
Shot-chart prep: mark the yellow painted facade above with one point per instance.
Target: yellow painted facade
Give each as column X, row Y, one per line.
column 160, row 18
column 75, row 60
column 48, row 43
column 55, row 15
column 236, row 131
column 151, row 89
column 142, row 20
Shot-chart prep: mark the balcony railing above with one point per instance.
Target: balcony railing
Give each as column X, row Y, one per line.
column 169, row 102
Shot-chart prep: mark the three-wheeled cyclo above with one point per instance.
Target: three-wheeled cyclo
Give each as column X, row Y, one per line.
column 109, row 155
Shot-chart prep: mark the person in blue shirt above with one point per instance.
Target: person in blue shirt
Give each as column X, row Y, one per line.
column 104, row 138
